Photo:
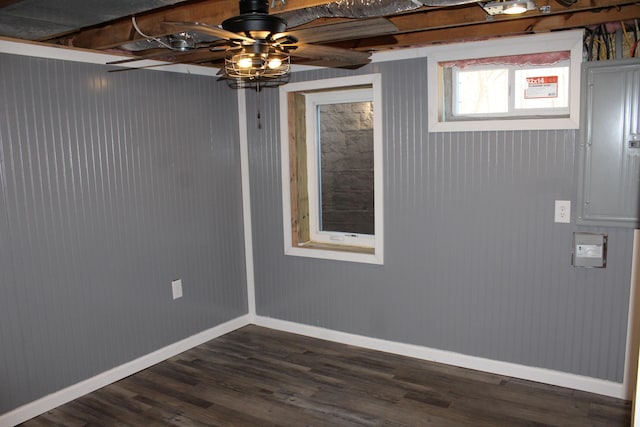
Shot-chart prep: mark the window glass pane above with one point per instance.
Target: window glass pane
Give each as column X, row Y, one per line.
column 481, row 91
column 345, row 140
column 539, row 88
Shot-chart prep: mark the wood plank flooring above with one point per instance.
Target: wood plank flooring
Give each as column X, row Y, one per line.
column 261, row 377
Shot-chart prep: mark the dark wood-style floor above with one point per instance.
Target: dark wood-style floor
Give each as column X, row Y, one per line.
column 260, row 377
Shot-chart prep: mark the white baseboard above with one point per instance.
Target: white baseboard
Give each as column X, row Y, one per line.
column 46, row 403
column 548, row 376
column 563, row 379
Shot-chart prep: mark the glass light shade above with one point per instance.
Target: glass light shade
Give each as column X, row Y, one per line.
column 244, row 62
column 274, row 63
column 508, row 7
column 515, row 9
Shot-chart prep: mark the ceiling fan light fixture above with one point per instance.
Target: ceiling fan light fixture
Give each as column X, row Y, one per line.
column 249, row 65
column 255, row 21
column 264, row 58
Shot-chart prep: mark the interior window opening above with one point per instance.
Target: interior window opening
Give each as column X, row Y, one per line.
column 504, row 87
column 334, row 204
column 528, row 82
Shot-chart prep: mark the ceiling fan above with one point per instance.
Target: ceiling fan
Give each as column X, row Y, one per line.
column 256, row 46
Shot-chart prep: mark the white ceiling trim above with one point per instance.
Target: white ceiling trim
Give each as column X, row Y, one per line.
column 41, row 50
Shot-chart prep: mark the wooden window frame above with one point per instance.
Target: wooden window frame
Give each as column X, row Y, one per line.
column 297, row 235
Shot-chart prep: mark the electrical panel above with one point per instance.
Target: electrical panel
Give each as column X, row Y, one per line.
column 609, row 182
column 589, row 250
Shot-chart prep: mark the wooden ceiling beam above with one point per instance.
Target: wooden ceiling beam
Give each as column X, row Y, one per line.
column 505, row 27
column 211, row 12
column 121, row 31
column 422, row 26
column 474, row 14
column 587, row 18
column 5, row 3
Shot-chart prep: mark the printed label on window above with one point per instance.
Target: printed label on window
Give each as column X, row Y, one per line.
column 541, row 87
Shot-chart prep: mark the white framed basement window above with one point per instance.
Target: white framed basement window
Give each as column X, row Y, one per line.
column 331, row 146
column 517, row 83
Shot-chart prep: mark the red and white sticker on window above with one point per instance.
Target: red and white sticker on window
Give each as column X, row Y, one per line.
column 541, row 87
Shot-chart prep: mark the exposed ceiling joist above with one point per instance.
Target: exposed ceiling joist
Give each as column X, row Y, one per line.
column 424, row 25
column 211, row 12
column 455, row 17
column 121, row 31
column 407, row 27
column 5, row 3
column 480, row 28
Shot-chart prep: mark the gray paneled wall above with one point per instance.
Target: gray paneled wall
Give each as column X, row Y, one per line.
column 113, row 184
column 473, row 260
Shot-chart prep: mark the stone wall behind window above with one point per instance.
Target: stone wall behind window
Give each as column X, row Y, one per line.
column 347, row 167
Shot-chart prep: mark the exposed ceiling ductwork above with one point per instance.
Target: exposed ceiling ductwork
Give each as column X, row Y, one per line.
column 362, row 9
column 356, row 25
column 355, row 9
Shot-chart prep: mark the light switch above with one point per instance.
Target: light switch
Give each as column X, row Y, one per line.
column 176, row 288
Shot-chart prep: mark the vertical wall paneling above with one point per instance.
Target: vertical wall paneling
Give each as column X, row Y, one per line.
column 113, row 185
column 473, row 260
column 10, row 315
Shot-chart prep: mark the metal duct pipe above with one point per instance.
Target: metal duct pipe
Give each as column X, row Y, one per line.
column 362, row 9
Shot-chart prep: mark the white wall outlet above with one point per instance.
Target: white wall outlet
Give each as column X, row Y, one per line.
column 176, row 288
column 563, row 211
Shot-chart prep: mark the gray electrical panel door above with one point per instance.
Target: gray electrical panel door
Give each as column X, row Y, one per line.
column 609, row 183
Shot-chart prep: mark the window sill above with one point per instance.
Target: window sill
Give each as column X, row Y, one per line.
column 339, row 248
column 336, row 253
column 504, row 124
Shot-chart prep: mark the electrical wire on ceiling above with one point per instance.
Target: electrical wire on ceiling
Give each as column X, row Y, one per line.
column 156, row 39
column 181, row 42
column 612, row 41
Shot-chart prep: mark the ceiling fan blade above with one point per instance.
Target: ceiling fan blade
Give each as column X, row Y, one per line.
column 144, row 67
column 347, row 30
column 212, row 30
column 192, row 57
column 331, row 56
column 158, row 54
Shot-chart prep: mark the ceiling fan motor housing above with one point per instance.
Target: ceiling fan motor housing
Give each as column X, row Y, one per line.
column 254, row 6
column 255, row 20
